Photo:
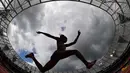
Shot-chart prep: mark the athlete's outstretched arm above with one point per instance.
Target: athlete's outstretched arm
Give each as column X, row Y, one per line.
column 48, row 35
column 72, row 43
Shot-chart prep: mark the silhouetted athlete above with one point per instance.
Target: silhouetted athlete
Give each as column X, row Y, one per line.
column 60, row 53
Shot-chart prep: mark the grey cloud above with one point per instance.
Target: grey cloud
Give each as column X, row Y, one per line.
column 64, row 65
column 101, row 34
column 30, row 20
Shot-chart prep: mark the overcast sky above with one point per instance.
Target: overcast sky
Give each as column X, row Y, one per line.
column 96, row 26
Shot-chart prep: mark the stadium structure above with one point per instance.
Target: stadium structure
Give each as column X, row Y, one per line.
column 112, row 62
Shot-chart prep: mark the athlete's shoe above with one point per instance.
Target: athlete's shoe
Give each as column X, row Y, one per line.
column 90, row 64
column 30, row 55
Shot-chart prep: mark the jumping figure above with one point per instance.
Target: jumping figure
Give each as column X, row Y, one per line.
column 60, row 53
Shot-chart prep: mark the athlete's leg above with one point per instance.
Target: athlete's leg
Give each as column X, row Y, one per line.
column 48, row 65
column 68, row 53
column 31, row 55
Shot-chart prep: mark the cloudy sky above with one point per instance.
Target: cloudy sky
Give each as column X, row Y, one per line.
column 96, row 26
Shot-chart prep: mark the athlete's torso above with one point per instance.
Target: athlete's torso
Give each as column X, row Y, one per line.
column 60, row 45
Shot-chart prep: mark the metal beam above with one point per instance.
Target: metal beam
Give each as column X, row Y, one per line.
column 20, row 4
column 9, row 3
column 128, row 3
column 110, row 6
column 101, row 3
column 119, row 6
column 28, row 2
column 40, row 1
column 3, row 4
column 91, row 1
column 13, row 9
column 116, row 11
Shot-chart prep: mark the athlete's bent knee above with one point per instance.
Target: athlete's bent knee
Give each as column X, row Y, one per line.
column 76, row 51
